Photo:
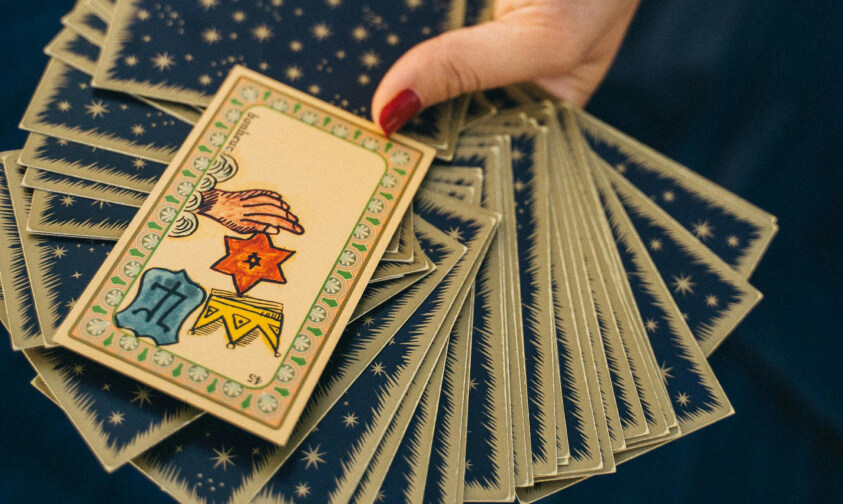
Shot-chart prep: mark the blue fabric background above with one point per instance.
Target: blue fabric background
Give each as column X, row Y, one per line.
column 748, row 94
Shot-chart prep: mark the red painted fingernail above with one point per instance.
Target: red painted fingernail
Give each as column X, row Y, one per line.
column 399, row 110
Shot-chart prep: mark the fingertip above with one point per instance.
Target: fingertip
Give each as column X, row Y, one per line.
column 272, row 230
column 399, row 110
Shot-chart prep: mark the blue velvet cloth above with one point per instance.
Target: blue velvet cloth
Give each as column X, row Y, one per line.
column 746, row 93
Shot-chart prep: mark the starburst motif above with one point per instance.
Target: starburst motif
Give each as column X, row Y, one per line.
column 651, row 325
column 67, row 200
column 664, row 371
column 733, row 241
column 209, row 4
column 59, row 252
column 683, row 399
column 64, row 105
column 100, row 203
column 360, row 33
column 392, row 39
column 302, row 490
column 163, row 61
column 106, row 387
column 70, row 304
column 334, row 3
column 262, row 33
column 76, row 275
column 142, row 395
column 517, row 155
column 138, row 130
column 368, row 320
column 320, row 31
column 96, row 109
column 296, row 46
column 350, row 420
column 669, row 196
column 370, row 59
column 712, row 301
column 621, row 168
column 238, row 16
column 314, row 89
column 656, row 244
column 472, row 384
column 682, row 284
column 78, row 369
column 363, row 79
column 131, row 61
column 468, row 464
column 205, row 80
column 455, row 233
column 211, row 35
column 139, row 163
column 313, row 457
column 703, row 230
column 293, row 73
column 116, row 418
column 413, row 4
column 378, row 369
column 380, row 497
column 223, row 458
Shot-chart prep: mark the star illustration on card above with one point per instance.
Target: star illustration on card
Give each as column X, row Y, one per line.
column 252, row 260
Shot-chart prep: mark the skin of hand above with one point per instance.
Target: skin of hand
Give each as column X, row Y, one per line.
column 564, row 46
column 254, row 211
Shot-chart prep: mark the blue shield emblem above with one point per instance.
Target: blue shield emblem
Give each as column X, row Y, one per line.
column 164, row 301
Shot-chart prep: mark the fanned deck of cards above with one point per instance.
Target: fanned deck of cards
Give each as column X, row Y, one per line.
column 228, row 278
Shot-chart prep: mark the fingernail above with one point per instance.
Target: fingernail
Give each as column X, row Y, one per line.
column 399, row 110
column 272, row 230
column 298, row 228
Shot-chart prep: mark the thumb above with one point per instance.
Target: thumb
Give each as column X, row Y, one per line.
column 488, row 55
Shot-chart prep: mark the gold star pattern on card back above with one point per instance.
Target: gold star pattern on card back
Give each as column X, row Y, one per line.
column 712, row 301
column 223, row 457
column 664, row 371
column 163, row 61
column 302, row 490
column 59, row 252
column 142, row 395
column 683, row 399
column 96, row 109
column 651, row 325
column 313, row 457
column 656, row 244
column 682, row 284
column 378, row 369
column 116, row 418
column 350, row 420
column 703, row 230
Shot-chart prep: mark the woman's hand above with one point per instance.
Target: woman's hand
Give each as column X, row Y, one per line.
column 564, row 46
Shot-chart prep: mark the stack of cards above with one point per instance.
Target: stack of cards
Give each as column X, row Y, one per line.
column 237, row 285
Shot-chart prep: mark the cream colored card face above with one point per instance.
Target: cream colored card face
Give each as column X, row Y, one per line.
column 226, row 294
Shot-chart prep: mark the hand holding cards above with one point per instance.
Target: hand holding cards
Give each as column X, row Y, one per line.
column 293, row 307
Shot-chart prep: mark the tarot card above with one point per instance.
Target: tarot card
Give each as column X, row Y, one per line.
column 404, row 238
column 388, row 270
column 66, row 106
column 457, row 175
column 713, row 297
column 380, row 292
column 479, row 109
column 652, row 393
column 183, row 54
column 81, row 188
column 196, row 450
column 81, row 54
column 55, row 214
column 22, row 321
column 530, row 183
column 118, row 417
column 86, row 21
column 696, row 395
column 403, row 471
column 221, row 177
column 461, row 193
column 621, row 380
column 60, row 156
column 734, row 229
column 492, row 154
column 41, row 386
